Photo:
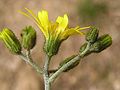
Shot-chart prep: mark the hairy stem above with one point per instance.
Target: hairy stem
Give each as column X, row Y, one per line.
column 46, row 73
column 27, row 58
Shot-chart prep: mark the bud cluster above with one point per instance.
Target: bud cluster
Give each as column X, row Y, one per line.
column 13, row 44
column 98, row 44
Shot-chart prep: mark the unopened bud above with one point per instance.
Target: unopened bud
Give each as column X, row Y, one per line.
column 11, row 41
column 67, row 60
column 102, row 43
column 92, row 35
column 28, row 37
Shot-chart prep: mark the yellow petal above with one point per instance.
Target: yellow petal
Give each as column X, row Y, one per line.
column 59, row 19
column 69, row 32
column 32, row 14
column 73, row 31
column 83, row 28
column 0, row 35
column 63, row 22
column 44, row 20
column 52, row 27
column 43, row 17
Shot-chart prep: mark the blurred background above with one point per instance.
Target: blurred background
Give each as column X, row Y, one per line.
column 96, row 72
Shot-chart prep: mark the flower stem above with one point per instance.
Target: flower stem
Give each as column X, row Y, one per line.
column 46, row 73
column 64, row 67
column 27, row 58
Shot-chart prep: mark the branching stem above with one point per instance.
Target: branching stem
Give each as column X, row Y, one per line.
column 27, row 58
column 45, row 71
column 64, row 67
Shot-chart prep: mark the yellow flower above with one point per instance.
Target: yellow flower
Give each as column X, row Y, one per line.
column 54, row 32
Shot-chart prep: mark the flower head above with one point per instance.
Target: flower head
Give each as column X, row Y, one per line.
column 54, row 32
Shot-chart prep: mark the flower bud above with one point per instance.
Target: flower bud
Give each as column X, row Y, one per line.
column 102, row 43
column 92, row 35
column 67, row 60
column 28, row 37
column 11, row 41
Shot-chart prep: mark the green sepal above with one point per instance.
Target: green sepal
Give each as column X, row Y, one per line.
column 92, row 35
column 51, row 46
column 28, row 37
column 102, row 43
column 67, row 60
column 10, row 41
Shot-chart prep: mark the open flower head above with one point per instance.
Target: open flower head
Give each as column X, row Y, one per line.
column 54, row 32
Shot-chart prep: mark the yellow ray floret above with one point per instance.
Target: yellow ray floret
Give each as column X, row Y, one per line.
column 63, row 22
column 43, row 18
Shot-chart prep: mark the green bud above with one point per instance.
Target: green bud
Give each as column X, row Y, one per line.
column 28, row 37
column 67, row 60
column 92, row 35
column 102, row 43
column 11, row 41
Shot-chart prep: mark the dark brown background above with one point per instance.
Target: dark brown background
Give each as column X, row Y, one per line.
column 96, row 72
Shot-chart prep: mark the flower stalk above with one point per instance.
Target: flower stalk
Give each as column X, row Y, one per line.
column 65, row 66
column 27, row 58
column 46, row 73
